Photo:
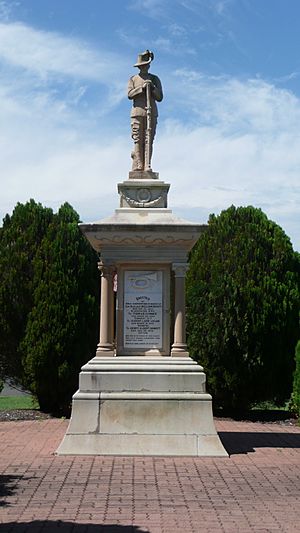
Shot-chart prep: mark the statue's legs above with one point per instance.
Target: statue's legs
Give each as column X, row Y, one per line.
column 138, row 134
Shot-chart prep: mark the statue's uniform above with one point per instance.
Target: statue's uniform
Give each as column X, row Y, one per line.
column 137, row 93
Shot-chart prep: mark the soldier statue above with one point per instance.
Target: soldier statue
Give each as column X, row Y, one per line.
column 144, row 89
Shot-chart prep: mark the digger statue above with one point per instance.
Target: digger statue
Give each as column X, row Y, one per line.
column 145, row 90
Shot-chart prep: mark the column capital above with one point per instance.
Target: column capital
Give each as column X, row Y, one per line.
column 106, row 269
column 180, row 269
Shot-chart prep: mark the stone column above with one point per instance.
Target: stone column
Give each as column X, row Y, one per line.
column 105, row 347
column 179, row 347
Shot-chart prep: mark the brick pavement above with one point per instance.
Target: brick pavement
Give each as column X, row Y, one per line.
column 256, row 489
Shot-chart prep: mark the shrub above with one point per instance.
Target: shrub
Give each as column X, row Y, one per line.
column 243, row 307
column 61, row 331
column 295, row 399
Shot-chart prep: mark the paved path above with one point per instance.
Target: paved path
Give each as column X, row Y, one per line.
column 11, row 390
column 257, row 489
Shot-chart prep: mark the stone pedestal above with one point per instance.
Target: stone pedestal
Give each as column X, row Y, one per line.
column 142, row 394
column 143, row 193
column 142, row 406
column 143, row 175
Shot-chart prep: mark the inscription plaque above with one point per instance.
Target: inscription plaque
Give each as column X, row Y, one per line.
column 143, row 309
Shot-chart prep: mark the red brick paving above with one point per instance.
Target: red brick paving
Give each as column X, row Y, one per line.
column 256, row 489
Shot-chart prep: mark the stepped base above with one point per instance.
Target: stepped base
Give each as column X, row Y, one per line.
column 145, row 445
column 142, row 406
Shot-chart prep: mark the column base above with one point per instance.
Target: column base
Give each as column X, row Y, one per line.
column 179, row 350
column 105, row 350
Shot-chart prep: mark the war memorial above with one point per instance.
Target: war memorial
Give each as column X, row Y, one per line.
column 142, row 394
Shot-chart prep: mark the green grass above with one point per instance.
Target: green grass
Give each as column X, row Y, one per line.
column 8, row 403
column 271, row 406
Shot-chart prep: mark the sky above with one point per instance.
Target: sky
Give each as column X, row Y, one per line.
column 229, row 124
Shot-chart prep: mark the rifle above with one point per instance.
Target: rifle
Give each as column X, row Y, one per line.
column 148, row 128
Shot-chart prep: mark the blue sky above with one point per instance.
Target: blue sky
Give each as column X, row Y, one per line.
column 229, row 123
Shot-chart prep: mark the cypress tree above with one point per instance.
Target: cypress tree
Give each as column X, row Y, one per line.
column 20, row 239
column 243, row 307
column 295, row 399
column 61, row 331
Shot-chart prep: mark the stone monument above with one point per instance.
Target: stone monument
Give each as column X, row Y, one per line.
column 142, row 394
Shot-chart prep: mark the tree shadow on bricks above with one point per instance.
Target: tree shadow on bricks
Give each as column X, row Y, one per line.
column 58, row 526
column 8, row 485
column 254, row 415
column 243, row 442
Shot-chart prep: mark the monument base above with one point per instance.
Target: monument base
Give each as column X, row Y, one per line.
column 142, row 406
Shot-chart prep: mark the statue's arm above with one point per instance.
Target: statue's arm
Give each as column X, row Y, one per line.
column 132, row 90
column 157, row 89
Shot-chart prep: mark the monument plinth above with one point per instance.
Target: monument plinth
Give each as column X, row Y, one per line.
column 142, row 394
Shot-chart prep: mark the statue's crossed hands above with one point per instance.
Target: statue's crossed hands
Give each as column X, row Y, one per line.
column 148, row 82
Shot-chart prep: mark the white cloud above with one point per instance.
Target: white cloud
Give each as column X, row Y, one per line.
column 47, row 122
column 221, row 6
column 151, row 8
column 233, row 141
column 234, row 105
column 177, row 30
column 46, row 80
column 53, row 70
column 240, row 144
column 54, row 165
column 288, row 77
column 47, row 53
column 163, row 44
column 214, row 170
column 6, row 9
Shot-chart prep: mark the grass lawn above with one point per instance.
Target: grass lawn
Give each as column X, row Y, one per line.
column 271, row 406
column 8, row 403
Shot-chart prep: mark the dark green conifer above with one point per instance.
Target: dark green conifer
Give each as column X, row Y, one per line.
column 20, row 239
column 243, row 307
column 295, row 400
column 61, row 331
